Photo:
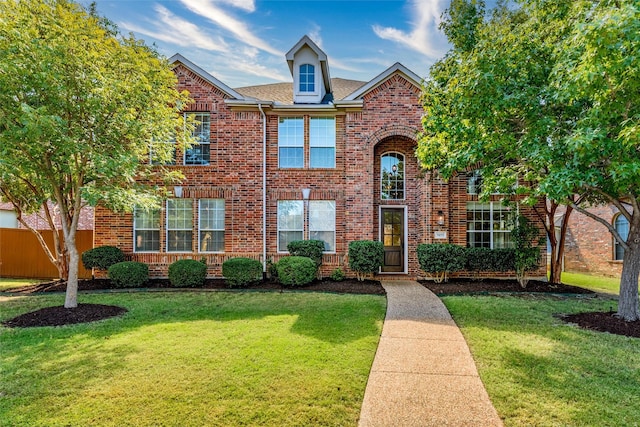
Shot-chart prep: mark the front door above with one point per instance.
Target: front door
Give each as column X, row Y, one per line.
column 393, row 239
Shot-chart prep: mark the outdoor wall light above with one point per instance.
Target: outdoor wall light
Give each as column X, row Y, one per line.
column 440, row 218
column 305, row 193
column 177, row 191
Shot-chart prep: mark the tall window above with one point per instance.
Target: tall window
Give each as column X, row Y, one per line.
column 198, row 154
column 179, row 225
column 307, row 78
column 621, row 225
column 322, row 223
column 290, row 223
column 322, row 142
column 146, row 230
column 474, row 182
column 291, row 142
column 392, row 176
column 211, row 225
column 489, row 225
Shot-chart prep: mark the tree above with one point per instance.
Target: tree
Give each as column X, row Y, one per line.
column 81, row 109
column 521, row 103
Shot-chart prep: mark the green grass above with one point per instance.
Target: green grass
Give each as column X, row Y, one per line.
column 595, row 283
column 193, row 359
column 7, row 284
column 540, row 371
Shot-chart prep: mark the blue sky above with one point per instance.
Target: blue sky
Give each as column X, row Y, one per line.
column 243, row 42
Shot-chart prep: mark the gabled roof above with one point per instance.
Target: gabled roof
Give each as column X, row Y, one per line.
column 282, row 93
column 322, row 57
column 382, row 77
column 177, row 58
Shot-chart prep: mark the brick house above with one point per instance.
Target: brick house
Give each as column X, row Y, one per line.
column 319, row 158
column 590, row 246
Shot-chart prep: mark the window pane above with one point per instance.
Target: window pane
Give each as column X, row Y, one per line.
column 179, row 225
column 211, row 217
column 392, row 176
column 322, row 222
column 291, row 142
column 290, row 222
column 323, row 157
column 285, row 237
column 147, row 240
column 199, row 154
column 307, row 78
column 146, row 230
column 328, row 237
column 622, row 227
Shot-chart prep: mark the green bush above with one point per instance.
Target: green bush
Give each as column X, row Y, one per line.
column 186, row 273
column 308, row 248
column 503, row 259
column 485, row 259
column 241, row 271
column 440, row 259
column 365, row 257
column 102, row 257
column 128, row 274
column 296, row 270
column 337, row 275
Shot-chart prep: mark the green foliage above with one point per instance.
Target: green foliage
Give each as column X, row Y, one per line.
column 102, row 257
column 527, row 252
column 81, row 106
column 489, row 260
column 338, row 275
column 308, row 248
column 241, row 271
column 128, row 274
column 186, row 273
column 441, row 259
column 365, row 257
column 296, row 270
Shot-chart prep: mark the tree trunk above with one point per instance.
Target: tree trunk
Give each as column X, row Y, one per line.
column 71, row 298
column 557, row 252
column 628, row 302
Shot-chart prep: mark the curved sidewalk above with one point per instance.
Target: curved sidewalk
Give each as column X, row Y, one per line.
column 423, row 373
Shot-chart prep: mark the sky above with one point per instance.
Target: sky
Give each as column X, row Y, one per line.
column 244, row 42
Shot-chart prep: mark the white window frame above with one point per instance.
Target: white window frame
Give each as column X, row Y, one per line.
column 289, row 138
column 307, row 82
column 280, row 224
column 493, row 206
column 189, row 203
column 322, row 135
column 402, row 159
column 203, row 136
column 216, row 211
column 312, row 228
column 136, row 229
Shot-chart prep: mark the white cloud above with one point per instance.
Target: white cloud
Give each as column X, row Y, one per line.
column 173, row 29
column 239, row 29
column 248, row 5
column 424, row 36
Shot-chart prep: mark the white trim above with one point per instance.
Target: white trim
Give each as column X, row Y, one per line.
column 224, row 221
column 166, row 231
column 206, row 76
column 405, row 254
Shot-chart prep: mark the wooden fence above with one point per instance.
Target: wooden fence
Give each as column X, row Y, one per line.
column 21, row 255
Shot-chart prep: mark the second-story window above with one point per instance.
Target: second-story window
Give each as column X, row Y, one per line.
column 322, row 142
column 307, row 78
column 198, row 154
column 291, row 142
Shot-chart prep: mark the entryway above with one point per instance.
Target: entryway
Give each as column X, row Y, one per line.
column 392, row 231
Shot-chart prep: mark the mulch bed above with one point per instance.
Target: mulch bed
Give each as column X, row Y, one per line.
column 57, row 316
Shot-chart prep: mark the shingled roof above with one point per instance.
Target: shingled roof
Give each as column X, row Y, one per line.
column 283, row 92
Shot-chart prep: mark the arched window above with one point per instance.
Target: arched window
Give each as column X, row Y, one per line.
column 621, row 224
column 392, row 176
column 307, row 78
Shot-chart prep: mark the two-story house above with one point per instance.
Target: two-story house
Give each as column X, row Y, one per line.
column 319, row 158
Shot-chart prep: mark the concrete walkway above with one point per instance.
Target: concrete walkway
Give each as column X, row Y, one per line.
column 423, row 373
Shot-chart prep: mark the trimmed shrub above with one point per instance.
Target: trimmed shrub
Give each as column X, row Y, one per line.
column 365, row 257
column 102, row 257
column 337, row 275
column 241, row 271
column 186, row 273
column 296, row 270
column 440, row 259
column 128, row 274
column 503, row 259
column 308, row 248
column 485, row 259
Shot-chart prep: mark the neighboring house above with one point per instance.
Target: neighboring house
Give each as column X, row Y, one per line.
column 320, row 158
column 590, row 246
column 9, row 218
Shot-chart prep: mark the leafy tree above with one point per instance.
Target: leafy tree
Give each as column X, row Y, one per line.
column 545, row 97
column 81, row 108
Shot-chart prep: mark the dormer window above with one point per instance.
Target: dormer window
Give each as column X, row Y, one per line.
column 307, row 78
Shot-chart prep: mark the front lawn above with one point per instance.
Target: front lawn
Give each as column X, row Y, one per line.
column 608, row 285
column 540, row 371
column 8, row 284
column 193, row 359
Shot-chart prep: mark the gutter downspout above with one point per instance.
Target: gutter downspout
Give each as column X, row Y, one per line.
column 264, row 190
